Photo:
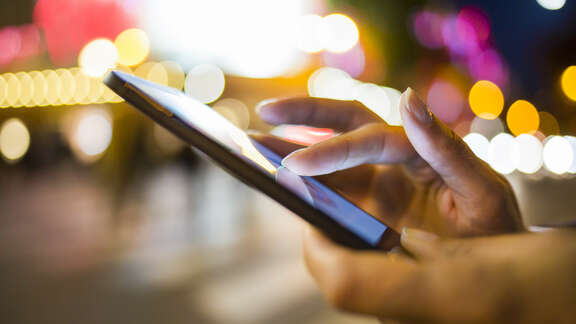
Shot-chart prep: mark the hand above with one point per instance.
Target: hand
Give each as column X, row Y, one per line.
column 522, row 278
column 421, row 176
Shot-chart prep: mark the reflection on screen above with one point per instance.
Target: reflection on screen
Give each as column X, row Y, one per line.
column 213, row 125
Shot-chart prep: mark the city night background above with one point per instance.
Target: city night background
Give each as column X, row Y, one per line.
column 108, row 218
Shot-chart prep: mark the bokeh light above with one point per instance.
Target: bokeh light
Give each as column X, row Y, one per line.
column 10, row 43
column 502, row 153
column 488, row 128
column 572, row 141
column 331, row 83
column 92, row 134
column 157, row 73
column 428, row 29
column 488, row 64
column 3, row 92
column 568, row 82
column 352, row 61
column 548, row 124
column 558, row 154
column 97, row 57
column 309, row 37
column 40, row 88
column 68, row 86
column 235, row 111
column 133, row 47
column 375, row 98
column 529, row 150
column 82, row 86
column 14, row 139
column 394, row 118
column 552, row 4
column 478, row 144
column 445, row 100
column 486, row 100
column 523, row 118
column 205, row 82
column 54, row 87
column 176, row 76
column 14, row 89
column 27, row 86
column 339, row 33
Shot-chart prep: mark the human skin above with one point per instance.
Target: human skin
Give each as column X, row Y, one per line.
column 420, row 176
column 480, row 266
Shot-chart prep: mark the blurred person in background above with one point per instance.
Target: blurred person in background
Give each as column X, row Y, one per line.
column 471, row 258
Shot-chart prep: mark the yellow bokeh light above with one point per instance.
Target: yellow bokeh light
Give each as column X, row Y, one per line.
column 14, row 89
column 133, row 47
column 27, row 86
column 14, row 139
column 82, row 83
column 176, row 76
column 486, row 100
column 68, row 86
column 548, row 124
column 569, row 82
column 3, row 91
column 97, row 57
column 157, row 74
column 523, row 118
column 40, row 88
column 339, row 33
column 54, row 87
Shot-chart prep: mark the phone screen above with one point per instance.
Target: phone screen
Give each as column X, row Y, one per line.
column 211, row 124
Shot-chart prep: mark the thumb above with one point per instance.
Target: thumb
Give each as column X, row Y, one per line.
column 421, row 244
column 438, row 145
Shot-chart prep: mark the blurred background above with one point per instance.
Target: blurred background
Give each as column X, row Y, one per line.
column 107, row 218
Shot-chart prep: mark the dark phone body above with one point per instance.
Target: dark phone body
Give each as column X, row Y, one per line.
column 126, row 86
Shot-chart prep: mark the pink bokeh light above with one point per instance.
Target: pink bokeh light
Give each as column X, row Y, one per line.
column 445, row 100
column 428, row 29
column 352, row 61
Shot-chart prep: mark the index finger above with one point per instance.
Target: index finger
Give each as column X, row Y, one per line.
column 317, row 112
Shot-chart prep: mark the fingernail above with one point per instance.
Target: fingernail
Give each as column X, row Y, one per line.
column 287, row 161
column 264, row 103
column 416, row 107
column 412, row 234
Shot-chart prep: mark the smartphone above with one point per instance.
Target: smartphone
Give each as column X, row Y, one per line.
column 254, row 164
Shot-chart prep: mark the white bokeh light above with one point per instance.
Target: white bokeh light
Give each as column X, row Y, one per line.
column 394, row 96
column 331, row 83
column 572, row 141
column 251, row 38
column 478, row 144
column 558, row 154
column 552, row 4
column 205, row 82
column 502, row 153
column 339, row 33
column 529, row 158
column 97, row 57
column 309, row 38
column 93, row 133
column 375, row 98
